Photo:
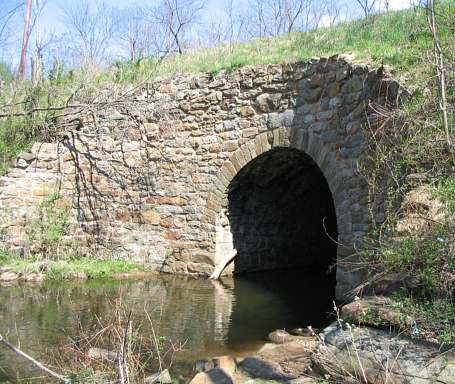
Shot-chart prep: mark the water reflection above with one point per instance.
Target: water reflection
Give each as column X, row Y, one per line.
column 213, row 318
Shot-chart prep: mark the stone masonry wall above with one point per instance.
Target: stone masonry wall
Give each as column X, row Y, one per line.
column 147, row 178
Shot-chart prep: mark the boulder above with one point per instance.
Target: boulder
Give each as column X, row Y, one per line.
column 8, row 276
column 420, row 210
column 258, row 367
column 227, row 363
column 214, row 376
column 379, row 356
column 375, row 310
column 286, row 361
column 280, row 336
column 34, row 277
column 387, row 283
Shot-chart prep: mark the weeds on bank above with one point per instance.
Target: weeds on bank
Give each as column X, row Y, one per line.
column 117, row 349
column 46, row 230
column 407, row 149
column 434, row 319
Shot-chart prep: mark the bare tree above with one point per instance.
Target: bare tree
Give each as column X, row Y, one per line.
column 37, row 59
column 176, row 19
column 136, row 34
column 332, row 12
column 92, row 28
column 237, row 22
column 368, row 6
column 212, row 33
column 25, row 37
column 274, row 17
column 440, row 67
column 386, row 5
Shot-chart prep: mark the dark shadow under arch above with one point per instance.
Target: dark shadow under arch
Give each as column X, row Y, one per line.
column 281, row 213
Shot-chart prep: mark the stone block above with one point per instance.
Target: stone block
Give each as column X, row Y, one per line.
column 250, row 132
column 247, row 111
column 230, row 169
column 312, row 95
column 246, row 154
column 268, row 102
column 223, row 179
column 150, row 217
column 230, row 145
column 262, row 143
column 355, row 84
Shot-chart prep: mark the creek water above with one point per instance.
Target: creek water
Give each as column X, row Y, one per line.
column 207, row 318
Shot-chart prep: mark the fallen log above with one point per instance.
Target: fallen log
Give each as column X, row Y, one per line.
column 36, row 363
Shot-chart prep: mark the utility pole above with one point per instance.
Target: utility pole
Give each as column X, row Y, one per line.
column 25, row 36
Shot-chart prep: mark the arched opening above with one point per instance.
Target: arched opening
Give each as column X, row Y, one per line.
column 281, row 214
column 283, row 224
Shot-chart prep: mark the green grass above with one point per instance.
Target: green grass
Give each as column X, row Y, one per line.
column 68, row 268
column 429, row 258
column 434, row 319
column 445, row 191
column 399, row 39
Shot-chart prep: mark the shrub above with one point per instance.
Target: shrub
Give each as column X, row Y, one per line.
column 47, row 229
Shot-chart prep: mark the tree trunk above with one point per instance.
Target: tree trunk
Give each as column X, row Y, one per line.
column 25, row 36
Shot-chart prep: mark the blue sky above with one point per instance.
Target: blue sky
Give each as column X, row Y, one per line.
column 52, row 19
column 52, row 15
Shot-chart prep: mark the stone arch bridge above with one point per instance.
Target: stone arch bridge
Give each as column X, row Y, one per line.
column 262, row 159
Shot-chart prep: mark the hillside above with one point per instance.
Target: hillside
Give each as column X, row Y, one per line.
column 399, row 39
column 410, row 153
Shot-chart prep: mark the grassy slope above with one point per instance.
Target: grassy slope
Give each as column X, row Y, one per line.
column 397, row 38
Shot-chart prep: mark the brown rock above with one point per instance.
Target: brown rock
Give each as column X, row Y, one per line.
column 214, row 376
column 247, row 111
column 280, row 336
column 135, row 134
column 8, row 276
column 226, row 363
column 167, row 222
column 230, row 145
column 374, row 310
column 150, row 217
column 172, row 235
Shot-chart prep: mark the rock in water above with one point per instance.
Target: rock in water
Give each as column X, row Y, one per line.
column 303, row 331
column 214, row 376
column 280, row 336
